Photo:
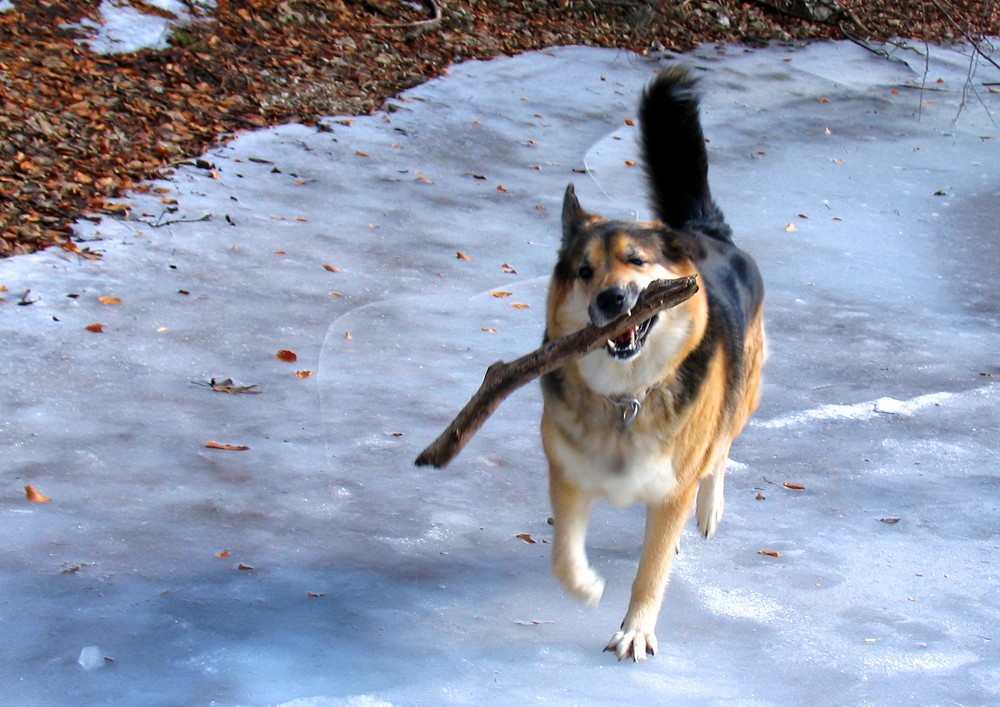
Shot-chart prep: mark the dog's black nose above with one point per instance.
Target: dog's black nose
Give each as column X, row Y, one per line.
column 612, row 303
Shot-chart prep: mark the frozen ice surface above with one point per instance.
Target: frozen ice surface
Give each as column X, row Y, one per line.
column 366, row 581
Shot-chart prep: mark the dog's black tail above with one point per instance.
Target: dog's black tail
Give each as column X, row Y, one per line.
column 673, row 147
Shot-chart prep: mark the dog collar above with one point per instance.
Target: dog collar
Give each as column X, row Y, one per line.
column 630, row 406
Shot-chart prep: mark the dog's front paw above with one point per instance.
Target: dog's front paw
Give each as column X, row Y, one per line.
column 711, row 503
column 583, row 583
column 634, row 643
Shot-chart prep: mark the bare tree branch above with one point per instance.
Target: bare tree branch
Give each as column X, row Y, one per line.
column 502, row 378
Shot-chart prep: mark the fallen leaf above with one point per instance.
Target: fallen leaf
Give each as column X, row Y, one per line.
column 508, row 269
column 526, row 537
column 95, row 327
column 286, row 356
column 331, row 268
column 33, row 495
column 629, row 163
column 424, row 180
column 794, row 487
column 889, row 521
column 760, row 497
column 227, row 386
column 539, row 207
column 871, row 640
column 359, row 153
column 336, row 295
column 315, row 595
column 629, row 122
column 488, row 330
column 212, row 444
column 500, row 294
column 839, row 160
column 769, row 553
column 462, row 256
column 304, row 374
column 518, row 305
column 824, row 100
column 501, row 187
column 224, row 554
column 826, row 131
column 244, row 567
column 109, row 300
column 532, row 622
column 347, row 336
column 790, row 228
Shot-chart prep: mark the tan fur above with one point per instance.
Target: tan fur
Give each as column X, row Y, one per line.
column 657, row 459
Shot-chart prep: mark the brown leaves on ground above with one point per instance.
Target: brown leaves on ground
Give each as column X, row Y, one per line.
column 212, row 444
column 79, row 129
column 228, row 386
column 34, row 495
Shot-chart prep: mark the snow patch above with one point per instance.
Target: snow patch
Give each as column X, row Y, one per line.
column 857, row 411
column 740, row 604
column 936, row 662
column 123, row 29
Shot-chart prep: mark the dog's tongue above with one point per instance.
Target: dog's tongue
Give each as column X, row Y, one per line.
column 625, row 339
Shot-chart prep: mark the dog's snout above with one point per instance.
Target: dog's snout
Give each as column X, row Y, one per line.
column 611, row 304
column 611, row 300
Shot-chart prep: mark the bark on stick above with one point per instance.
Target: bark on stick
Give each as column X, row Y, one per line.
column 503, row 378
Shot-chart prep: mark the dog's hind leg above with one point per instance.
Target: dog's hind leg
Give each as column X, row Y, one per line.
column 664, row 523
column 711, row 498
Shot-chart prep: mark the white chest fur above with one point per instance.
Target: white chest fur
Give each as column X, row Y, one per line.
column 622, row 468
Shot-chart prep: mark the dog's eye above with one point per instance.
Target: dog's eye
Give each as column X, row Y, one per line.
column 585, row 272
column 638, row 262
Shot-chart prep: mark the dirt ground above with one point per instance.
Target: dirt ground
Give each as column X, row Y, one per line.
column 77, row 129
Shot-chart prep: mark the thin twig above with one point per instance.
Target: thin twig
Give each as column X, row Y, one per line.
column 159, row 222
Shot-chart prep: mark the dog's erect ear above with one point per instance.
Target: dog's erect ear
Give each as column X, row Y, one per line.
column 572, row 214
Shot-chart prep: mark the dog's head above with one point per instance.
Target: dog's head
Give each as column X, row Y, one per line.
column 602, row 268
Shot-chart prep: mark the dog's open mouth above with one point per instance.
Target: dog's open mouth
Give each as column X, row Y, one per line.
column 630, row 343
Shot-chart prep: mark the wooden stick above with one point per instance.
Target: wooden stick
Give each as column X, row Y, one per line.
column 503, row 378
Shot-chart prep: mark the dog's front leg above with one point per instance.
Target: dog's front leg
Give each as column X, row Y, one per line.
column 571, row 509
column 664, row 523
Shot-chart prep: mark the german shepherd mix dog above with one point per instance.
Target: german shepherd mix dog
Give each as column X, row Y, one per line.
column 650, row 417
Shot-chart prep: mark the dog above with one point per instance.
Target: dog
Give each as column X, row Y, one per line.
column 650, row 417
